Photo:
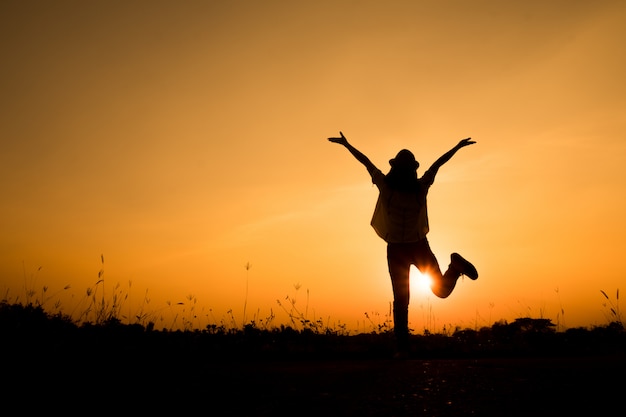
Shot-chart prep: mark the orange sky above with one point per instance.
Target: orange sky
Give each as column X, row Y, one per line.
column 182, row 140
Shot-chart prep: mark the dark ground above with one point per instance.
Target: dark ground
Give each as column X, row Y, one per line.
column 440, row 387
column 317, row 376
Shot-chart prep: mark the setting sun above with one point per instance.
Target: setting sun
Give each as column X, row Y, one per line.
column 420, row 283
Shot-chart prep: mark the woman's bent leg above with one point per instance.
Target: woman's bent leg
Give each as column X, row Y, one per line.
column 441, row 285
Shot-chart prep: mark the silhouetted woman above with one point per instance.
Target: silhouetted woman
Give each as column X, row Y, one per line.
column 401, row 219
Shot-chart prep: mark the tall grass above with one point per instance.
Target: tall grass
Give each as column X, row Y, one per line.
column 300, row 320
column 102, row 304
column 100, row 307
column 614, row 315
column 245, row 301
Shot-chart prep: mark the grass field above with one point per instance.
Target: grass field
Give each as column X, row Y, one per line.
column 523, row 368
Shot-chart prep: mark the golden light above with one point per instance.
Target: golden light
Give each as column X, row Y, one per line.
column 420, row 283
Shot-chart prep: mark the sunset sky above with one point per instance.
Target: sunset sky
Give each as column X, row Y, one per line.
column 186, row 142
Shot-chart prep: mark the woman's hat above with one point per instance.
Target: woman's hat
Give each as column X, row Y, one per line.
column 404, row 158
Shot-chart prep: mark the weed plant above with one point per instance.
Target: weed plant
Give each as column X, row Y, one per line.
column 102, row 323
column 39, row 315
column 614, row 315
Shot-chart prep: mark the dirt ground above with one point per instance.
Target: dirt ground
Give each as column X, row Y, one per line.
column 442, row 387
column 181, row 385
column 121, row 370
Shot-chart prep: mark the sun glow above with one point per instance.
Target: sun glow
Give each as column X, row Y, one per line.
column 420, row 282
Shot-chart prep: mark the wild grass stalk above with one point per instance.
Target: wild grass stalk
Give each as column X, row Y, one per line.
column 614, row 315
column 380, row 326
column 300, row 320
column 190, row 320
column 245, row 301
column 560, row 316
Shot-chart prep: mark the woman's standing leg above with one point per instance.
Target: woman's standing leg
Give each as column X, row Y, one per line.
column 399, row 262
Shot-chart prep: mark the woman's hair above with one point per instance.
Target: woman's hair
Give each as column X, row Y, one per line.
column 402, row 179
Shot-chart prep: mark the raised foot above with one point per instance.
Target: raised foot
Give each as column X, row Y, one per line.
column 464, row 266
